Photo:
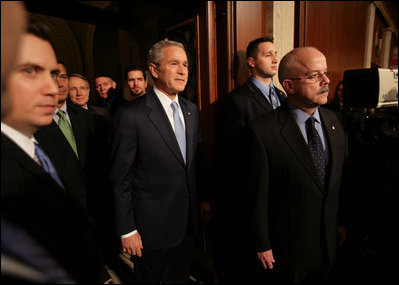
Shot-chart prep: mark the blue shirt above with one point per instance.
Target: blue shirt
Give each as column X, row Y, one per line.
column 301, row 117
column 265, row 89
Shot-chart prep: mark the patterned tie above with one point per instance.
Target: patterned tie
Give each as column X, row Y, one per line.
column 273, row 98
column 316, row 149
column 67, row 131
column 179, row 129
column 47, row 165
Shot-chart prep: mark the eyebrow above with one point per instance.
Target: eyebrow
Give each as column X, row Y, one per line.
column 314, row 71
column 55, row 71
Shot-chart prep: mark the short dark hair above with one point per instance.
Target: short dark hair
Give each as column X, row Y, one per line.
column 78, row 75
column 134, row 68
column 252, row 49
column 39, row 29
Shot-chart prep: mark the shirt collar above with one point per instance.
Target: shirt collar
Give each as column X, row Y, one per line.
column 165, row 100
column 262, row 86
column 25, row 143
column 300, row 116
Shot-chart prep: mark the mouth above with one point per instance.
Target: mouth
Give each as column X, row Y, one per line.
column 48, row 107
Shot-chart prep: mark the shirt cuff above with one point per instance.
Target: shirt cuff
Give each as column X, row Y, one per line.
column 129, row 234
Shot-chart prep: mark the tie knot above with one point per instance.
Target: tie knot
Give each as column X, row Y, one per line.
column 60, row 113
column 174, row 106
column 271, row 91
column 310, row 121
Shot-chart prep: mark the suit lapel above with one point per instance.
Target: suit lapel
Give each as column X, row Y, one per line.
column 76, row 122
column 15, row 152
column 330, row 126
column 61, row 139
column 189, row 122
column 258, row 95
column 159, row 118
column 293, row 137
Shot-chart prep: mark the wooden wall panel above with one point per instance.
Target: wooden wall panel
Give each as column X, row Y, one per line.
column 250, row 24
column 338, row 29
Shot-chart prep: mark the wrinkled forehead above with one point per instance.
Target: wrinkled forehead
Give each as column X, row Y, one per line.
column 310, row 60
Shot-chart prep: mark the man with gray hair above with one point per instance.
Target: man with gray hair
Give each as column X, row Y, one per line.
column 297, row 155
column 154, row 160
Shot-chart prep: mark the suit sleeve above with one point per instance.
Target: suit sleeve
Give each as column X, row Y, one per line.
column 258, row 190
column 122, row 157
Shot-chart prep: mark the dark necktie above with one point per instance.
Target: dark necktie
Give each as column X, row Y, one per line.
column 67, row 131
column 316, row 149
column 47, row 165
column 179, row 129
column 273, row 98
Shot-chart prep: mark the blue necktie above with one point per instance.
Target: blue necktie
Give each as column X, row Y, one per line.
column 273, row 98
column 316, row 149
column 179, row 129
column 47, row 165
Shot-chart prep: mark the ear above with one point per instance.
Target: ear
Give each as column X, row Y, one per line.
column 288, row 86
column 113, row 84
column 153, row 69
column 251, row 62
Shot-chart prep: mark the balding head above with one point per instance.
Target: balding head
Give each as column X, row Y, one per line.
column 295, row 62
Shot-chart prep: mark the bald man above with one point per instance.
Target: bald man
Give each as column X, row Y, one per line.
column 294, row 182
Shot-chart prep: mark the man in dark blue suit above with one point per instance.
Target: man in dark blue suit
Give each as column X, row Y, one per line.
column 297, row 157
column 236, row 111
column 34, row 203
column 154, row 171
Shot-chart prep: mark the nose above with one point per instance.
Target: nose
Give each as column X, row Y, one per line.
column 181, row 69
column 325, row 79
column 51, row 85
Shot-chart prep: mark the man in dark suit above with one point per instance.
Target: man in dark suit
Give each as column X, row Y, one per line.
column 110, row 96
column 154, row 169
column 34, row 203
column 70, row 158
column 255, row 98
column 297, row 158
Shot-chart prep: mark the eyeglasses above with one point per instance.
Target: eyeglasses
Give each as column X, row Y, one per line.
column 314, row 77
column 81, row 89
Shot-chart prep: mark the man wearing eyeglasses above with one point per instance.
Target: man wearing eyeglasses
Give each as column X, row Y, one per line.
column 65, row 140
column 79, row 90
column 297, row 155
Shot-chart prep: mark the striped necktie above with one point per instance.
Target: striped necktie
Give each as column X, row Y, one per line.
column 179, row 129
column 67, row 131
column 273, row 99
column 47, row 165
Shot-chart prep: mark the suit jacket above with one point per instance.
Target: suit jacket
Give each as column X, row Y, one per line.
column 245, row 104
column 291, row 214
column 155, row 191
column 235, row 112
column 71, row 169
column 33, row 201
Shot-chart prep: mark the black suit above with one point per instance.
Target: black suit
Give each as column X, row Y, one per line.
column 71, row 169
column 33, row 201
column 155, row 191
column 235, row 112
column 291, row 214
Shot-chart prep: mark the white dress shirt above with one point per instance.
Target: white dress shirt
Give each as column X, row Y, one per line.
column 25, row 143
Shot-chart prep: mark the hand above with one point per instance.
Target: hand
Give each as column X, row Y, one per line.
column 205, row 212
column 267, row 259
column 132, row 245
column 341, row 235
